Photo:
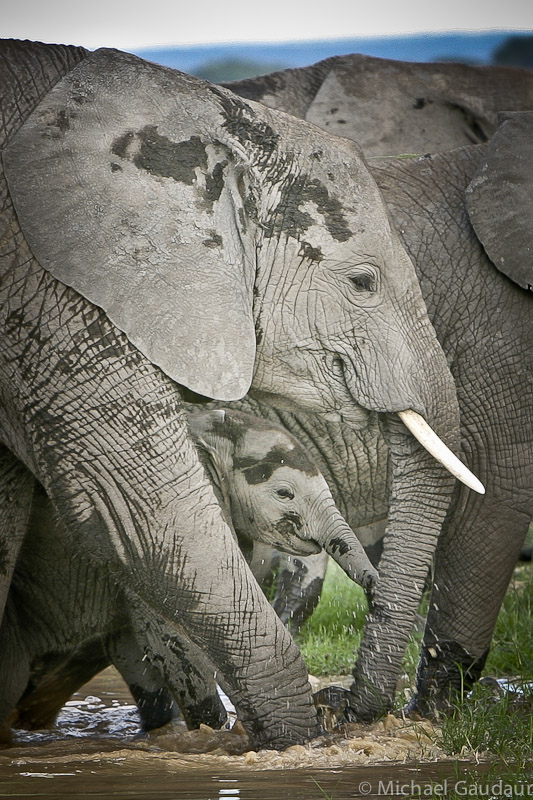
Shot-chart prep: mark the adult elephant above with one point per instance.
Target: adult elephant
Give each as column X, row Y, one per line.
column 159, row 232
column 390, row 107
column 482, row 319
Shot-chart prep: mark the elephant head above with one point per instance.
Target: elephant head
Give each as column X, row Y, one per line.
column 390, row 106
column 273, row 490
column 174, row 205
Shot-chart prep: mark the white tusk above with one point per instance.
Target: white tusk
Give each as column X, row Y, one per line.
column 429, row 439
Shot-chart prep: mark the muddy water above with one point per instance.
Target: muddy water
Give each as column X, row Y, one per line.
column 96, row 750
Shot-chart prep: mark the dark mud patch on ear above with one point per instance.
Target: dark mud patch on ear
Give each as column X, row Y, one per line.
column 241, row 121
column 214, row 183
column 312, row 253
column 160, row 156
column 288, row 217
column 214, row 241
column 177, row 160
column 121, row 144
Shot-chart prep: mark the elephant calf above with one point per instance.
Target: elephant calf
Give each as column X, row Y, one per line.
column 65, row 620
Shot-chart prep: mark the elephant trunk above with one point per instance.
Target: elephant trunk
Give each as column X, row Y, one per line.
column 420, row 495
column 421, row 491
column 341, row 543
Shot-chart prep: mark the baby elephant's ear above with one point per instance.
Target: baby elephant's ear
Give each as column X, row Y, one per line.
column 125, row 192
column 500, row 198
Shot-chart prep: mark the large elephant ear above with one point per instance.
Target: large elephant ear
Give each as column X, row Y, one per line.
column 124, row 192
column 499, row 198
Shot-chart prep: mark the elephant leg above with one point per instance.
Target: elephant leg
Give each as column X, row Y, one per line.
column 299, row 585
column 107, row 436
column 14, row 667
column 183, row 677
column 145, row 682
column 53, row 681
column 16, row 488
column 474, row 563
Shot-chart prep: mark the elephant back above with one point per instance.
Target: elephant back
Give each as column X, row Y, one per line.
column 28, row 72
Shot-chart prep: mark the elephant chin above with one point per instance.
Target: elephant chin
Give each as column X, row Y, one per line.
column 436, row 447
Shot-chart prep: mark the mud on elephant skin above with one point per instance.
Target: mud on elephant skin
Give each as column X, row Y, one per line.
column 269, row 490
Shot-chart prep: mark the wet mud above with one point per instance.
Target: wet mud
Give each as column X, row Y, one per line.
column 96, row 749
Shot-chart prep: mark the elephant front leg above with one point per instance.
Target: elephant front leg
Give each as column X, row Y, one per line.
column 299, row 585
column 420, row 498
column 53, row 682
column 106, row 435
column 165, row 672
column 474, row 563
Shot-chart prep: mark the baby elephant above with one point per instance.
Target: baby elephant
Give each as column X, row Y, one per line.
column 270, row 491
column 273, row 492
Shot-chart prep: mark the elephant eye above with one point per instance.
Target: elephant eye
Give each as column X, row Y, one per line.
column 285, row 493
column 364, row 281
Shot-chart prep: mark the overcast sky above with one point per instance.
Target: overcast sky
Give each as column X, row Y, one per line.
column 138, row 23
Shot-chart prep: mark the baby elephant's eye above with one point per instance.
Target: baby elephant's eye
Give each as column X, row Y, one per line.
column 285, row 493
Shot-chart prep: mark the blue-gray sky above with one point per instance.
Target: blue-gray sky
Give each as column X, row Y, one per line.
column 139, row 23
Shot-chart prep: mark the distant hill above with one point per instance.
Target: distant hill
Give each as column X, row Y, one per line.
column 233, row 61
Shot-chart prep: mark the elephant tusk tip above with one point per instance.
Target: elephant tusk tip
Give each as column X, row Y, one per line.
column 441, row 452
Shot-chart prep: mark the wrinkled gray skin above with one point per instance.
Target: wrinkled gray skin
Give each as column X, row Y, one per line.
column 270, row 491
column 482, row 317
column 159, row 232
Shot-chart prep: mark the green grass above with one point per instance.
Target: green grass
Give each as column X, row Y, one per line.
column 330, row 638
column 512, row 646
column 489, row 722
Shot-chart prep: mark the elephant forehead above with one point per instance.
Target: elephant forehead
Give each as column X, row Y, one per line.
column 291, row 464
column 258, row 442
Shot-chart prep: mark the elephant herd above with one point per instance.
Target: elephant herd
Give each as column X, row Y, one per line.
column 338, row 258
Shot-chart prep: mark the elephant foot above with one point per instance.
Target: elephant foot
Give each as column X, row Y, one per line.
column 209, row 711
column 333, row 707
column 446, row 671
column 337, row 706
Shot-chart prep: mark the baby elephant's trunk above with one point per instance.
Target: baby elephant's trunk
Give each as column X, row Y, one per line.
column 339, row 540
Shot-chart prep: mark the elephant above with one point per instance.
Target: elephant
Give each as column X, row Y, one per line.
column 390, row 107
column 269, row 490
column 467, row 233
column 163, row 240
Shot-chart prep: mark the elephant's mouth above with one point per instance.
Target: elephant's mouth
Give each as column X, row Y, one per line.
column 298, row 547
column 287, row 536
